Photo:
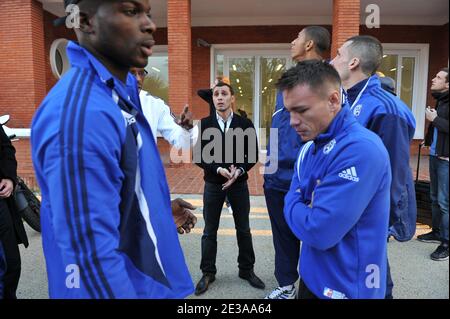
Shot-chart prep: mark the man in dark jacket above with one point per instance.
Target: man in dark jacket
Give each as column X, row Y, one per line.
column 437, row 139
column 226, row 150
column 12, row 232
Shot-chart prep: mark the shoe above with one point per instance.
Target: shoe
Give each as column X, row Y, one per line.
column 441, row 253
column 252, row 279
column 204, row 282
column 287, row 292
column 431, row 237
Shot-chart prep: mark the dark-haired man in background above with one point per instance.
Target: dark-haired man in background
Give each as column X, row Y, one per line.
column 226, row 166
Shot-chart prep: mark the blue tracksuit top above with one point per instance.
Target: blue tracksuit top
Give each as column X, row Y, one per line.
column 338, row 206
column 107, row 224
column 391, row 119
column 283, row 151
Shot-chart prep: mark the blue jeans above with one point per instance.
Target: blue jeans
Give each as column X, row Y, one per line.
column 439, row 196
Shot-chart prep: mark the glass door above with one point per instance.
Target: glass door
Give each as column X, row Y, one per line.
column 253, row 76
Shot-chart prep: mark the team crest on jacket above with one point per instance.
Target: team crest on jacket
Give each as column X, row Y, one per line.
column 357, row 110
column 327, row 149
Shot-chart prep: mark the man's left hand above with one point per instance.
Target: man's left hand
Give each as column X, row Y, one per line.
column 6, row 188
column 184, row 219
column 430, row 114
column 186, row 120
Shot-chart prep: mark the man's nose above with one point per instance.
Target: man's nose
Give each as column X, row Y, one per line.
column 149, row 26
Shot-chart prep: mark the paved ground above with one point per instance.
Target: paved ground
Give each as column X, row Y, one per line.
column 415, row 275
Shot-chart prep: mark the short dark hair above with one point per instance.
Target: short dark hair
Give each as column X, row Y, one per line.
column 369, row 51
column 320, row 36
column 220, row 84
column 316, row 74
column 446, row 71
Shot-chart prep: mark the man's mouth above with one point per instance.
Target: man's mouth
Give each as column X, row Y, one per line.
column 146, row 47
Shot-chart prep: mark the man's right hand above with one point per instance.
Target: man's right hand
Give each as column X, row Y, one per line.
column 225, row 173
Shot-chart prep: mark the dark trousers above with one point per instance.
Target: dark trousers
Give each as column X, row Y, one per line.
column 439, row 196
column 287, row 246
column 213, row 199
column 11, row 252
column 304, row 292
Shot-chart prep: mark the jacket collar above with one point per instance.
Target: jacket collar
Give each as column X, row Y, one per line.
column 81, row 57
column 342, row 120
column 356, row 91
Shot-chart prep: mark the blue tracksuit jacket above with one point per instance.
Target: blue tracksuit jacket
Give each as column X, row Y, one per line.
column 283, row 151
column 107, row 224
column 391, row 119
column 338, row 206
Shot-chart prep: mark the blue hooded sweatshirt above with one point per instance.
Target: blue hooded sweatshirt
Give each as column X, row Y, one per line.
column 391, row 119
column 282, row 149
column 338, row 206
column 107, row 224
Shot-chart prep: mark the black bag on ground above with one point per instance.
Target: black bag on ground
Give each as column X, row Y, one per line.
column 423, row 198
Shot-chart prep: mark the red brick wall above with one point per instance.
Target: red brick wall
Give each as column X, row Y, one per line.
column 180, row 53
column 22, row 60
column 346, row 19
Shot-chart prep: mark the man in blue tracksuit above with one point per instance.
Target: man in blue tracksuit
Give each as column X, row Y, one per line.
column 107, row 224
column 338, row 202
column 385, row 114
column 311, row 44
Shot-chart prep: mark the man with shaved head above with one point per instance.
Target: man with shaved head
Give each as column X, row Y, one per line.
column 108, row 227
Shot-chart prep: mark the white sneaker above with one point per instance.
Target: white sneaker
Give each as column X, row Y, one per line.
column 288, row 292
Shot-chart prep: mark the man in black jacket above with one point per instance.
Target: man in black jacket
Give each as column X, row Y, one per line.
column 12, row 232
column 226, row 150
column 437, row 139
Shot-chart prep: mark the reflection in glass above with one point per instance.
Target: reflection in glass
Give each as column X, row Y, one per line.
column 157, row 80
column 242, row 80
column 389, row 66
column 271, row 71
column 406, row 91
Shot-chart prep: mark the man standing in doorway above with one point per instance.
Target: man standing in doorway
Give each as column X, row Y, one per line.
column 437, row 139
column 226, row 166
column 311, row 44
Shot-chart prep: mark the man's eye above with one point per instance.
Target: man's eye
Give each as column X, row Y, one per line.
column 131, row 12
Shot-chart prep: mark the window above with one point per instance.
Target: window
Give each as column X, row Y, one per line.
column 157, row 80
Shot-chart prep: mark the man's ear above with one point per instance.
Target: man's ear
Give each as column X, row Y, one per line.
column 86, row 25
column 334, row 101
column 309, row 45
column 354, row 64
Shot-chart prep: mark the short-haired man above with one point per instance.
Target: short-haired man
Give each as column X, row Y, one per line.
column 226, row 149
column 437, row 139
column 312, row 43
column 338, row 202
column 107, row 224
column 357, row 61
